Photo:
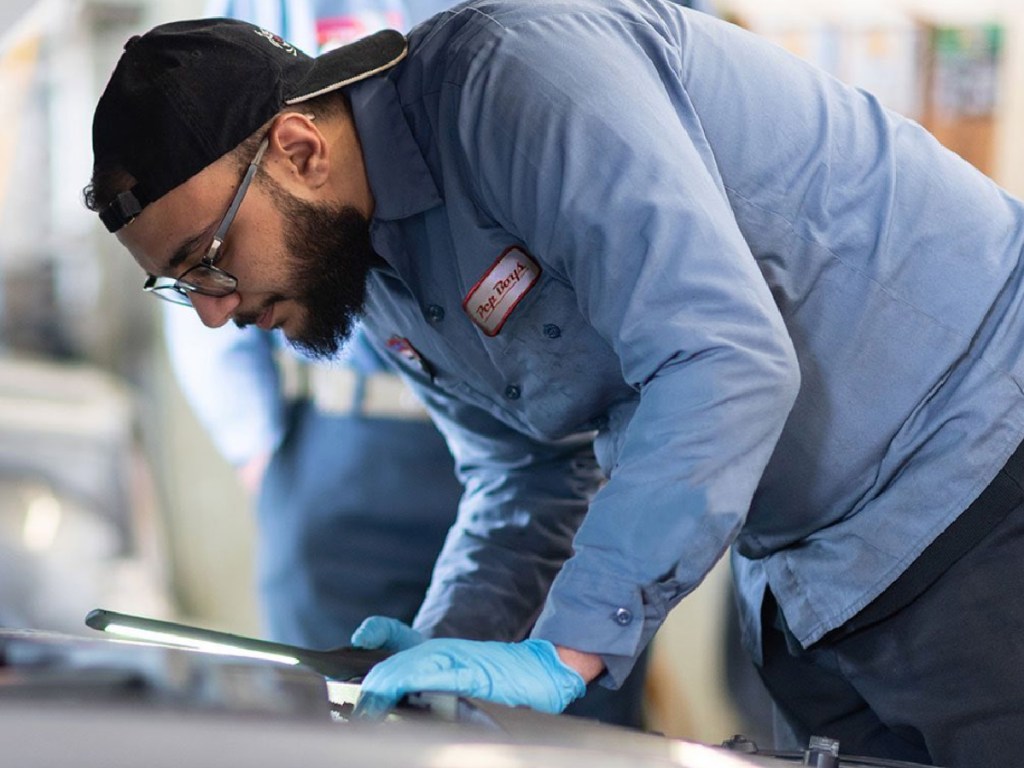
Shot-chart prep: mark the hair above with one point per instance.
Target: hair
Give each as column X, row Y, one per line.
column 109, row 181
column 106, row 184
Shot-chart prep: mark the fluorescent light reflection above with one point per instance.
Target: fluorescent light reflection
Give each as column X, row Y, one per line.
column 685, row 753
column 473, row 755
column 168, row 638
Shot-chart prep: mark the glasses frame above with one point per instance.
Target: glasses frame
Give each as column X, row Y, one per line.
column 177, row 290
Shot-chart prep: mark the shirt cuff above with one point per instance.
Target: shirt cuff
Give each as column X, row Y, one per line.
column 597, row 612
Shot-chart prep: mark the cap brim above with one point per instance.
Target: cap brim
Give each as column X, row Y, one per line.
column 350, row 64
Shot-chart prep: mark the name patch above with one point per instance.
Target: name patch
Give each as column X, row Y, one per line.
column 402, row 347
column 492, row 299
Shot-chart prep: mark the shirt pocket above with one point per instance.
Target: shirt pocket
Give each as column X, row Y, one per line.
column 568, row 374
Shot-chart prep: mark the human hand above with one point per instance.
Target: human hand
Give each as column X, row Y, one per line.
column 251, row 473
column 382, row 632
column 528, row 673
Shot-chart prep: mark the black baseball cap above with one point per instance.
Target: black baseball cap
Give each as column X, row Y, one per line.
column 185, row 94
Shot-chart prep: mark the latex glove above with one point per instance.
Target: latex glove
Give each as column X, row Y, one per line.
column 528, row 673
column 382, row 632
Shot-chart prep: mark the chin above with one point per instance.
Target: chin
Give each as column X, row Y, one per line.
column 293, row 324
column 319, row 346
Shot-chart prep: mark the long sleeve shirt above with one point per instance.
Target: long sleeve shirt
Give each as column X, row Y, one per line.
column 779, row 316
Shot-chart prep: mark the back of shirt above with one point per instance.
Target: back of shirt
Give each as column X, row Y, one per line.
column 697, row 200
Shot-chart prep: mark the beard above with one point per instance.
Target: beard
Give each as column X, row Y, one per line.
column 330, row 258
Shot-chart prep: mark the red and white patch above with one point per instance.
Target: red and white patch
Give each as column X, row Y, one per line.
column 492, row 299
column 277, row 41
column 402, row 347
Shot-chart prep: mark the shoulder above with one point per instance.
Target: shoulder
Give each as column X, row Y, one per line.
column 534, row 34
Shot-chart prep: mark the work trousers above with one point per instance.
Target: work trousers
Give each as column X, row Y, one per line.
column 352, row 513
column 938, row 681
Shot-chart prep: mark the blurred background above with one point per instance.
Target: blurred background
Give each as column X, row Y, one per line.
column 111, row 494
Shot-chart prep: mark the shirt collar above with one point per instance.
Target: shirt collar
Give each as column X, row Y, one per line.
column 401, row 183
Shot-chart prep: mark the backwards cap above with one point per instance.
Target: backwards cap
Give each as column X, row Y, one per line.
column 187, row 93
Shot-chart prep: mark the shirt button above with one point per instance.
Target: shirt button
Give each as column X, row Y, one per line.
column 552, row 331
column 623, row 616
column 435, row 313
column 512, row 392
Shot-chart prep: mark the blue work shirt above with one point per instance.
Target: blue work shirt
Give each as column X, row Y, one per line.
column 791, row 318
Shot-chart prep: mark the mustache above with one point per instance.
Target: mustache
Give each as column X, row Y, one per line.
column 246, row 318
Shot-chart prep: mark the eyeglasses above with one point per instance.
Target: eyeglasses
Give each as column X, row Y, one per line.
column 205, row 278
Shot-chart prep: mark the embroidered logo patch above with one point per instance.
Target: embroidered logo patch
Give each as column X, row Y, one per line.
column 402, row 347
column 492, row 299
column 277, row 40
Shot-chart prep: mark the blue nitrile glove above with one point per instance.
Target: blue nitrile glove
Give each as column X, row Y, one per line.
column 528, row 673
column 382, row 632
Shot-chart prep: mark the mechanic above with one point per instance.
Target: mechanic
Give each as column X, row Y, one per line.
column 790, row 316
column 330, row 448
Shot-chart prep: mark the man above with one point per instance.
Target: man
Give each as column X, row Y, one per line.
column 330, row 449
column 787, row 315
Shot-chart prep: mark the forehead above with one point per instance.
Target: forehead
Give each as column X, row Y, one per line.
column 184, row 218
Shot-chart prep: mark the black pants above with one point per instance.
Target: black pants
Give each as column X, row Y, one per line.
column 939, row 678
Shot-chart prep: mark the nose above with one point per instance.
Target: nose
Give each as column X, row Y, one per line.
column 214, row 311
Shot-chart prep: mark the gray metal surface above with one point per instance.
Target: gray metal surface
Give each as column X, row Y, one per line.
column 106, row 704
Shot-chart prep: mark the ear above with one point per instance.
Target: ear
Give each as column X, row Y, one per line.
column 299, row 146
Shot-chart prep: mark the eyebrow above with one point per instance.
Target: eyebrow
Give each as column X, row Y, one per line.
column 187, row 248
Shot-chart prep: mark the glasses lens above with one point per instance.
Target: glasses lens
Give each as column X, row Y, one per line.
column 172, row 294
column 209, row 281
column 202, row 279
